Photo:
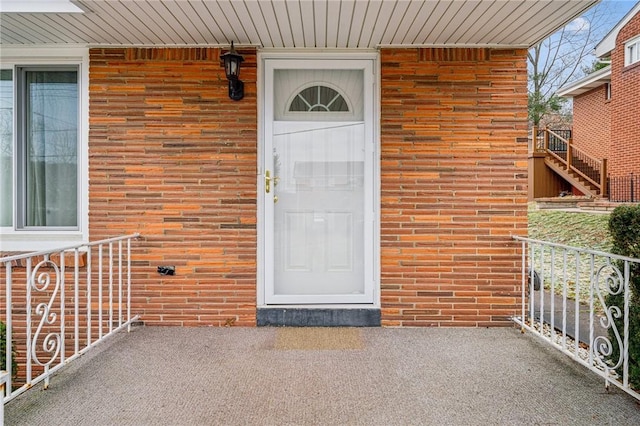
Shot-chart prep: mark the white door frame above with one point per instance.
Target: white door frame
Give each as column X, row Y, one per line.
column 368, row 61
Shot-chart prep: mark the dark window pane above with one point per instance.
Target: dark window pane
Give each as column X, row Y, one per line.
column 51, row 154
column 6, row 148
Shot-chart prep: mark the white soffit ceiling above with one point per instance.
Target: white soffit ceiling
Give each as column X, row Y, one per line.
column 291, row 23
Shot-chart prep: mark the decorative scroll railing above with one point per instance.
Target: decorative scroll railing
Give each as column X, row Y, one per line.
column 559, row 145
column 567, row 298
column 60, row 303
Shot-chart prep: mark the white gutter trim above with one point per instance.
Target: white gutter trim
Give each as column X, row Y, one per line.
column 603, row 75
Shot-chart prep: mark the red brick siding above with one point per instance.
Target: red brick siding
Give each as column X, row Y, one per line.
column 592, row 122
column 172, row 157
column 625, row 125
column 454, row 185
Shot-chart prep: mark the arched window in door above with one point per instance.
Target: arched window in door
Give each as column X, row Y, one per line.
column 318, row 95
column 318, row 98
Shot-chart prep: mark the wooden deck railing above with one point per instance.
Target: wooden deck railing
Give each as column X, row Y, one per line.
column 559, row 145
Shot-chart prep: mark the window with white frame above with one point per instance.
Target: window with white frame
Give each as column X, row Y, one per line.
column 632, row 51
column 39, row 148
column 6, row 148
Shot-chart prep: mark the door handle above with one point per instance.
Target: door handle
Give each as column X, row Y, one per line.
column 267, row 181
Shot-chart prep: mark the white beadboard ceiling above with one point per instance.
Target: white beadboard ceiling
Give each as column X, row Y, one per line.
column 293, row 23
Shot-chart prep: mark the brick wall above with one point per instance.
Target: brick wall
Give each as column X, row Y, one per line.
column 590, row 134
column 453, row 185
column 625, row 125
column 172, row 157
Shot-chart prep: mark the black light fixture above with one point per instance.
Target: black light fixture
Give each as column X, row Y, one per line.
column 232, row 61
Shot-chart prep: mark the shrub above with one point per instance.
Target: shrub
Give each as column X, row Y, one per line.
column 624, row 226
column 3, row 352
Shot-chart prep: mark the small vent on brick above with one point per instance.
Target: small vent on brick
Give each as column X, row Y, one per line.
column 443, row 54
column 172, row 54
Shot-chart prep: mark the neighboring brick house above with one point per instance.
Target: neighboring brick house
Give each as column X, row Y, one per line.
column 592, row 113
column 373, row 177
column 606, row 103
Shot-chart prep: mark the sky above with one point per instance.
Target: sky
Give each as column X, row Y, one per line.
column 603, row 16
column 619, row 8
column 565, row 49
column 610, row 13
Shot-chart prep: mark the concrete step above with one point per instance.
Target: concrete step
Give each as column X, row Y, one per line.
column 598, row 205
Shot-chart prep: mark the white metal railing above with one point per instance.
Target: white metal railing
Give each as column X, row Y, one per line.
column 4, row 376
column 565, row 288
column 55, row 312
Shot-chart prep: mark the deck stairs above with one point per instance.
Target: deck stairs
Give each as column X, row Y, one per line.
column 574, row 178
column 584, row 172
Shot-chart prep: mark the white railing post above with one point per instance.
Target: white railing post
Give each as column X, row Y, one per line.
column 110, row 287
column 28, row 309
column 592, row 282
column 76, row 303
column 3, row 382
column 525, row 275
column 129, row 285
column 89, row 272
column 63, row 317
column 553, row 289
column 576, row 319
column 8, row 326
column 119, row 283
column 542, row 275
column 564, row 300
column 625, row 352
column 532, row 256
column 100, row 291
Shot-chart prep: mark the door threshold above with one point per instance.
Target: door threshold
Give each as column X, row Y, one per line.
column 318, row 316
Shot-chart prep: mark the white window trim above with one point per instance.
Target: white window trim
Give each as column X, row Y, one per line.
column 635, row 42
column 12, row 239
column 49, row 6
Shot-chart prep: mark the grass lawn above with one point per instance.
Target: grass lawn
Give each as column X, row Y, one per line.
column 576, row 229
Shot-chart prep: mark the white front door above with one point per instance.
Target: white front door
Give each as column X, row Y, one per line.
column 318, row 173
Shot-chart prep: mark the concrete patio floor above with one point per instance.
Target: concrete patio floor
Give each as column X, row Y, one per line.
column 277, row 376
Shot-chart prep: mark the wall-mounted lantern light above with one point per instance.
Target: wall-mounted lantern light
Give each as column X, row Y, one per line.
column 232, row 61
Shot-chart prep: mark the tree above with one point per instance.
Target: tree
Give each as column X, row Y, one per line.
column 561, row 58
column 593, row 66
